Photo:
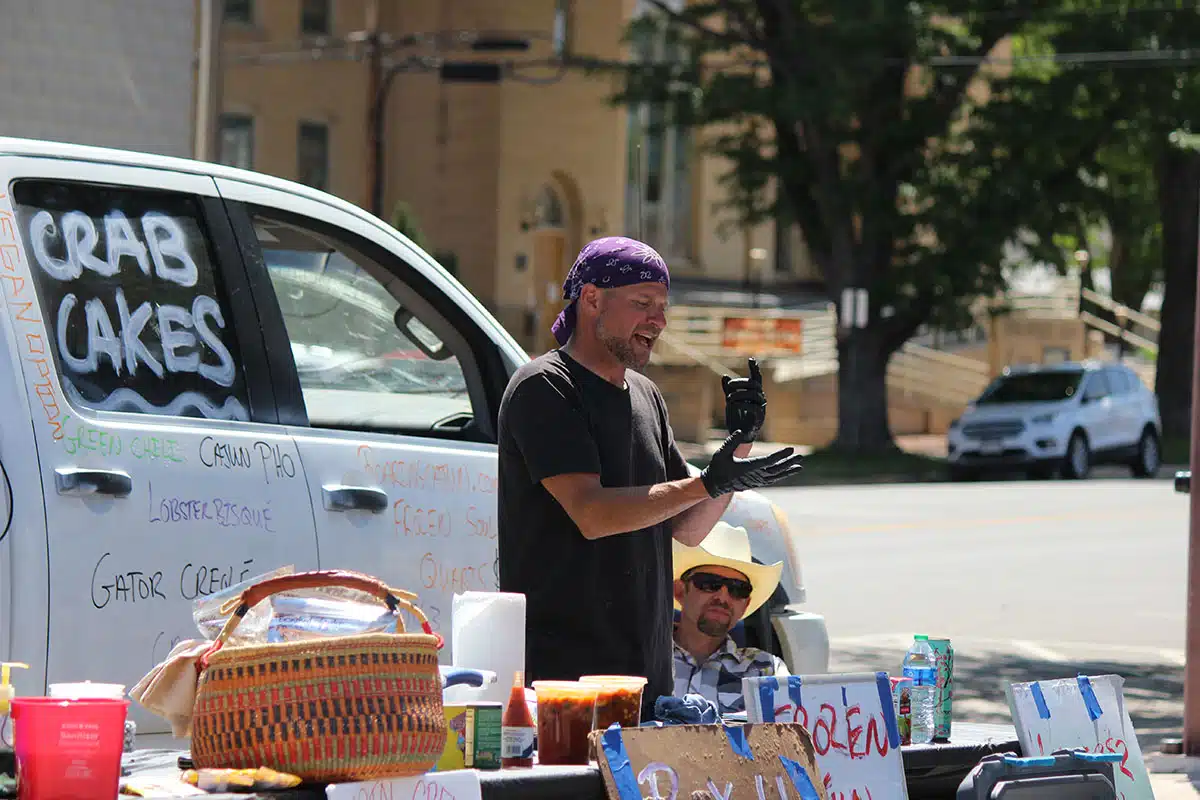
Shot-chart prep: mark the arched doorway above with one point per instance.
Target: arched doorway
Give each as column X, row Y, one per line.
column 556, row 220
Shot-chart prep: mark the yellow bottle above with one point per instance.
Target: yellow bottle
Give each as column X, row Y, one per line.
column 7, row 693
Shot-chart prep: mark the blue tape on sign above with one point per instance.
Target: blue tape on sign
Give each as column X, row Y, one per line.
column 887, row 706
column 1029, row 761
column 619, row 765
column 845, row 702
column 1089, row 698
column 737, row 740
column 799, row 778
column 766, row 697
column 1039, row 700
column 794, row 693
column 1083, row 755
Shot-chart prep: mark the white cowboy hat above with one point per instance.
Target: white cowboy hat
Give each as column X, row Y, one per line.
column 727, row 546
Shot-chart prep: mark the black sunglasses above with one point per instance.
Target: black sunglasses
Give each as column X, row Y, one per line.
column 709, row 583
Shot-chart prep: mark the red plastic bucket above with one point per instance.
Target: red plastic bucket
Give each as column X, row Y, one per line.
column 68, row 749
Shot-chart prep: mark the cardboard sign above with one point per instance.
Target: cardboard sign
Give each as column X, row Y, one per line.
column 460, row 784
column 853, row 726
column 1087, row 712
column 708, row 762
column 763, row 336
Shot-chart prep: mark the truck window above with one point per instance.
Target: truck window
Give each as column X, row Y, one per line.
column 135, row 313
column 365, row 360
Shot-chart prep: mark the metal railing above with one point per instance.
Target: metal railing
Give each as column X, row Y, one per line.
column 1149, row 327
column 933, row 376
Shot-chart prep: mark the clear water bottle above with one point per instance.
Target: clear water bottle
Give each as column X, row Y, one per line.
column 921, row 666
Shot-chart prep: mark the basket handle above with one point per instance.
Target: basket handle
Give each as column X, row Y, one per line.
column 394, row 599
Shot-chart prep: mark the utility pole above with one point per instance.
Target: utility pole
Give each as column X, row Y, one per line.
column 208, row 83
column 1191, row 670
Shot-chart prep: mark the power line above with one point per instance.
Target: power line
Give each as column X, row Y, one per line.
column 1086, row 59
column 1114, row 9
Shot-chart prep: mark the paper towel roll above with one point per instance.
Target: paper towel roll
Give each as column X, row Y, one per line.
column 488, row 632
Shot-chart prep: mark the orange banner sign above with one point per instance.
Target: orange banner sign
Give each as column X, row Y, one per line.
column 763, row 336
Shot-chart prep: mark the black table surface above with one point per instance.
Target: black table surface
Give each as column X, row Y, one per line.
column 932, row 771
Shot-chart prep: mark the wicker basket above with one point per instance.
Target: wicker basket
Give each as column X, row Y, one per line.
column 347, row 708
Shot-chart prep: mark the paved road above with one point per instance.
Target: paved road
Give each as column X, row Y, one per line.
column 1029, row 579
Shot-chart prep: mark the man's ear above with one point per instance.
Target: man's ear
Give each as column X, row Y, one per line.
column 589, row 297
column 680, row 591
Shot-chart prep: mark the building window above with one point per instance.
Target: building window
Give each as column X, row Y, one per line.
column 241, row 11
column 236, row 148
column 658, row 186
column 562, row 28
column 312, row 150
column 315, row 17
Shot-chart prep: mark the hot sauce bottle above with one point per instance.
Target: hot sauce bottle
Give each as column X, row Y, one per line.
column 516, row 728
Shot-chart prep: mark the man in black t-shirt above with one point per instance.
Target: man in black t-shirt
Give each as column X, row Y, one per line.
column 592, row 487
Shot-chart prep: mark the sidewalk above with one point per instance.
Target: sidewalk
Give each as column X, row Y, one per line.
column 1173, row 786
column 1173, row 777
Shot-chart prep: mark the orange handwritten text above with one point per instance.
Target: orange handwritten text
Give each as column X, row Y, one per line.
column 481, row 524
column 421, row 474
column 20, row 301
column 436, row 574
column 415, row 521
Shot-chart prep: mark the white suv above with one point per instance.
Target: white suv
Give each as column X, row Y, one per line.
column 1060, row 418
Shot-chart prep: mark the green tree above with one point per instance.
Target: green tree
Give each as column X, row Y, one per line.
column 1125, row 71
column 404, row 219
column 855, row 118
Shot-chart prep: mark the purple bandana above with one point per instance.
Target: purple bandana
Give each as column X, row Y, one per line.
column 609, row 263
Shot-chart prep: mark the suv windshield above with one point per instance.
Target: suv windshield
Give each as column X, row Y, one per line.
column 1033, row 387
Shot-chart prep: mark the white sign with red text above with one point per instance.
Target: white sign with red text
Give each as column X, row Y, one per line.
column 1087, row 712
column 459, row 784
column 852, row 723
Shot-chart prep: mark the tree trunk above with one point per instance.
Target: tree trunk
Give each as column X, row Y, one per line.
column 1130, row 278
column 862, row 393
column 1179, row 204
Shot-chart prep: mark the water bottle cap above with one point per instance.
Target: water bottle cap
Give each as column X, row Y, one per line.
column 921, row 637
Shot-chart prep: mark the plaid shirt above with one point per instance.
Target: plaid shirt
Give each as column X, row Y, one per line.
column 719, row 679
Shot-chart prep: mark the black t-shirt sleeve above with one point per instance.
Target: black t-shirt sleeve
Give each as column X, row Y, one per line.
column 676, row 464
column 550, row 429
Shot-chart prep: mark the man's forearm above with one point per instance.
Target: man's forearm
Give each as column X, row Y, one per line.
column 607, row 511
column 691, row 526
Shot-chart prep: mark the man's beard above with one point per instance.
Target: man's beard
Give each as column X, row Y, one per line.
column 711, row 627
column 621, row 349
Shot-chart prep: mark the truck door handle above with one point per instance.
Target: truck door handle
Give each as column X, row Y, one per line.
column 81, row 482
column 354, row 498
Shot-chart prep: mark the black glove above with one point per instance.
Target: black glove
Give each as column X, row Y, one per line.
column 727, row 473
column 745, row 403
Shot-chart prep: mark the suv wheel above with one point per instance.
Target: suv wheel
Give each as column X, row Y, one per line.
column 1149, row 456
column 1078, row 461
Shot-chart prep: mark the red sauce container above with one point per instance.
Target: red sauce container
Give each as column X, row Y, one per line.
column 564, row 719
column 619, row 700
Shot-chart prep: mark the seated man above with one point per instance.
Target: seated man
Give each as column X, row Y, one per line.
column 716, row 585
